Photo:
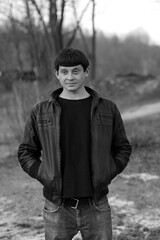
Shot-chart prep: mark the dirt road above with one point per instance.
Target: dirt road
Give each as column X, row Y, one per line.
column 141, row 111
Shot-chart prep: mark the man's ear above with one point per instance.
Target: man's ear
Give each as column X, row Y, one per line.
column 56, row 73
column 87, row 71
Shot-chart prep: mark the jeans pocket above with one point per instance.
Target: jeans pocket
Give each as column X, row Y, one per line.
column 50, row 207
column 103, row 205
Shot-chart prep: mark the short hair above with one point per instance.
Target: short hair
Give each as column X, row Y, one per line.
column 70, row 57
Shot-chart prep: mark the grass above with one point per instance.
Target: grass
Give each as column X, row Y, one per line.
column 144, row 132
column 144, row 135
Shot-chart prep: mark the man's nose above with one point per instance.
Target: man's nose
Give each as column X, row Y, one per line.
column 70, row 76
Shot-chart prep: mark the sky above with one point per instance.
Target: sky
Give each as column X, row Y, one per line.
column 123, row 16
column 118, row 17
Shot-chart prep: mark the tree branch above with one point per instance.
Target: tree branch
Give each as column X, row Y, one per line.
column 34, row 3
column 63, row 4
column 77, row 21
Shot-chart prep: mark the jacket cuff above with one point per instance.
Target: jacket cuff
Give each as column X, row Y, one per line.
column 34, row 169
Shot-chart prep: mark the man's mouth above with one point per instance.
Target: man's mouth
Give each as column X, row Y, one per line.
column 71, row 83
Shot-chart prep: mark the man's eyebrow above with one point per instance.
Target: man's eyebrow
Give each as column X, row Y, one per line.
column 76, row 68
column 63, row 68
column 66, row 68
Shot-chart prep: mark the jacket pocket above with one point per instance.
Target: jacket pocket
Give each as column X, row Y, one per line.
column 47, row 178
column 45, row 122
column 39, row 173
column 104, row 119
column 42, row 177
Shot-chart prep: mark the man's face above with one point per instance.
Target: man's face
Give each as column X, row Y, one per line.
column 72, row 78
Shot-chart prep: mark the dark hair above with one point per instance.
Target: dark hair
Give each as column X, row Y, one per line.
column 69, row 57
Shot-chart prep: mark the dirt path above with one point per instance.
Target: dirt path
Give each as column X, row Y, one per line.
column 141, row 111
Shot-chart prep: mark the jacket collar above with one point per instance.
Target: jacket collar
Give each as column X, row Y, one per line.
column 58, row 91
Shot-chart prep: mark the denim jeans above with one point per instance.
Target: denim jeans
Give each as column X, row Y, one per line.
column 63, row 223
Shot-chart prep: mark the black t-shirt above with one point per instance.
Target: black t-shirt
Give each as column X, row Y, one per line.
column 75, row 143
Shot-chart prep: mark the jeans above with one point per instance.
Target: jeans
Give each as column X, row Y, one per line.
column 63, row 223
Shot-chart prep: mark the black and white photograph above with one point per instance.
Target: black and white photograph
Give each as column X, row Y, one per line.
column 80, row 120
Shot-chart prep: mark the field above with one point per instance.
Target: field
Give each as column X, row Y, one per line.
column 134, row 195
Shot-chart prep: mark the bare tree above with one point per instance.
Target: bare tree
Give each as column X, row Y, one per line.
column 33, row 41
column 77, row 21
column 90, row 49
column 93, row 72
column 15, row 39
column 56, row 20
column 53, row 35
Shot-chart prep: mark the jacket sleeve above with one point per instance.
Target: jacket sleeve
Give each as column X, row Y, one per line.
column 29, row 151
column 121, row 148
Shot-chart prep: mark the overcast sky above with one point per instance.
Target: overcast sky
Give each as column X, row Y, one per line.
column 117, row 16
column 123, row 16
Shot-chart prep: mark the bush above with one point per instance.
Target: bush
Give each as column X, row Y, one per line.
column 143, row 140
column 23, row 97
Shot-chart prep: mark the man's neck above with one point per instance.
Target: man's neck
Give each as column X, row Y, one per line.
column 75, row 95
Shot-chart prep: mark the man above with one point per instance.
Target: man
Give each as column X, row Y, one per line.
column 84, row 146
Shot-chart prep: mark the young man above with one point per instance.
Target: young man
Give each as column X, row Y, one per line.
column 84, row 146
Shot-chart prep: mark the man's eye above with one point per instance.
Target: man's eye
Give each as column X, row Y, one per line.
column 64, row 72
column 76, row 71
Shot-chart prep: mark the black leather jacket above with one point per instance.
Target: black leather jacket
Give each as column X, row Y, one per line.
column 40, row 156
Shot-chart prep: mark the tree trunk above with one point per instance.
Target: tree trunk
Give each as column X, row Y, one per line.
column 93, row 69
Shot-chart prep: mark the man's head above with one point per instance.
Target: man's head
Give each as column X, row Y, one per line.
column 70, row 57
column 71, row 69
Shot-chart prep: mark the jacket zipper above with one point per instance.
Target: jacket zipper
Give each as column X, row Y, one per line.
column 93, row 108
column 58, row 146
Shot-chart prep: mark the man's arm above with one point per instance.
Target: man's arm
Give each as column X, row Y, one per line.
column 121, row 148
column 29, row 151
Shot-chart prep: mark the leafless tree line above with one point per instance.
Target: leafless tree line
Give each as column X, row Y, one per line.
column 44, row 24
column 33, row 31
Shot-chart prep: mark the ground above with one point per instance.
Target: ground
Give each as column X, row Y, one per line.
column 134, row 195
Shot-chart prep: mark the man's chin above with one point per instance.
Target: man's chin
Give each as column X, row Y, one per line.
column 72, row 87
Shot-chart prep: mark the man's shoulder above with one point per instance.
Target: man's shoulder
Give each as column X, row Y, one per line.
column 42, row 105
column 107, row 106
column 107, row 102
